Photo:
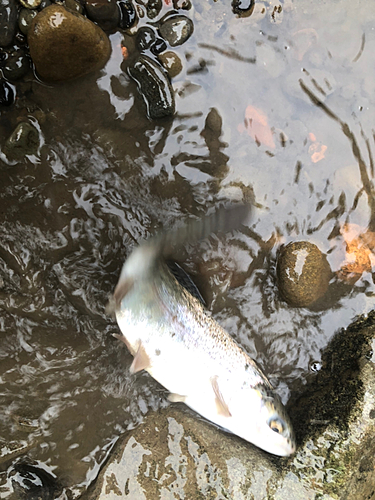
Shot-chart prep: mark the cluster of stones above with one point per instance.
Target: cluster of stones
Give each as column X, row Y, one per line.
column 68, row 39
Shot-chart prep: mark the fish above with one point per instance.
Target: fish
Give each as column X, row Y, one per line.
column 172, row 336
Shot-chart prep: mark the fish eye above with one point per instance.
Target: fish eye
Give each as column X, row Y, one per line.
column 277, row 425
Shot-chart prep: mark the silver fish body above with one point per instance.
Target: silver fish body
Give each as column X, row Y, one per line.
column 173, row 337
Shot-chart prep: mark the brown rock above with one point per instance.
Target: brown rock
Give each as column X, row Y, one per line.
column 65, row 45
column 303, row 273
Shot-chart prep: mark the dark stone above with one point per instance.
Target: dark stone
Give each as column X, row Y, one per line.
column 303, row 273
column 128, row 14
column 7, row 94
column 104, row 12
column 44, row 4
column 73, row 6
column 16, row 65
column 25, row 18
column 154, row 86
column 31, row 482
column 243, row 8
column 176, row 30
column 153, row 8
column 23, row 141
column 171, row 62
column 74, row 47
column 8, row 21
column 3, row 57
column 158, row 46
column 145, row 38
column 30, row 4
column 182, row 4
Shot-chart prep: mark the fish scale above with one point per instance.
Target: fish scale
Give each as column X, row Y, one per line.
column 176, row 340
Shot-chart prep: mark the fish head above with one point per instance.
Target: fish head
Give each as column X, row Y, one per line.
column 273, row 429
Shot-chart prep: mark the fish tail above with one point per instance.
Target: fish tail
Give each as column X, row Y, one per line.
column 143, row 258
column 223, row 220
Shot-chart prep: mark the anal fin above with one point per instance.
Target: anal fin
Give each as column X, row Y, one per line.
column 141, row 360
column 221, row 405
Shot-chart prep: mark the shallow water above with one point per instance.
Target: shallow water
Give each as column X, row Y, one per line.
column 107, row 177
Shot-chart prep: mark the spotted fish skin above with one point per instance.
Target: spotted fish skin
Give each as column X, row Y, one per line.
column 176, row 340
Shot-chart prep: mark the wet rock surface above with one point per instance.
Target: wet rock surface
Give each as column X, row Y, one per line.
column 8, row 21
column 128, row 15
column 174, row 453
column 23, row 141
column 154, row 86
column 303, row 273
column 7, row 93
column 65, row 45
column 104, row 12
column 17, row 64
column 171, row 62
column 176, row 30
column 25, row 18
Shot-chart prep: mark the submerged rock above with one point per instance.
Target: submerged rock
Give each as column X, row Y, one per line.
column 128, row 15
column 16, row 65
column 243, row 8
column 154, row 86
column 303, row 273
column 31, row 4
column 145, row 38
column 23, row 141
column 8, row 21
column 73, row 6
column 7, row 94
column 25, row 18
column 153, row 8
column 176, row 30
column 176, row 454
column 65, row 45
column 31, row 482
column 104, row 12
column 182, row 4
column 171, row 62
column 158, row 46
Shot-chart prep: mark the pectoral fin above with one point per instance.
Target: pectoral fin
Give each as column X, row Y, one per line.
column 141, row 360
column 115, row 300
column 123, row 339
column 121, row 290
column 176, row 398
column 221, row 405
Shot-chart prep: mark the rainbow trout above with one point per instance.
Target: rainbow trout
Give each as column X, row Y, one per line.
column 176, row 340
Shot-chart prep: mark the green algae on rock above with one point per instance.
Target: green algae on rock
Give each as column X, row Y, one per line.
column 303, row 273
column 65, row 45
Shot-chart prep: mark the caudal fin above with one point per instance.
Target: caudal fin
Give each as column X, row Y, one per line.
column 144, row 257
